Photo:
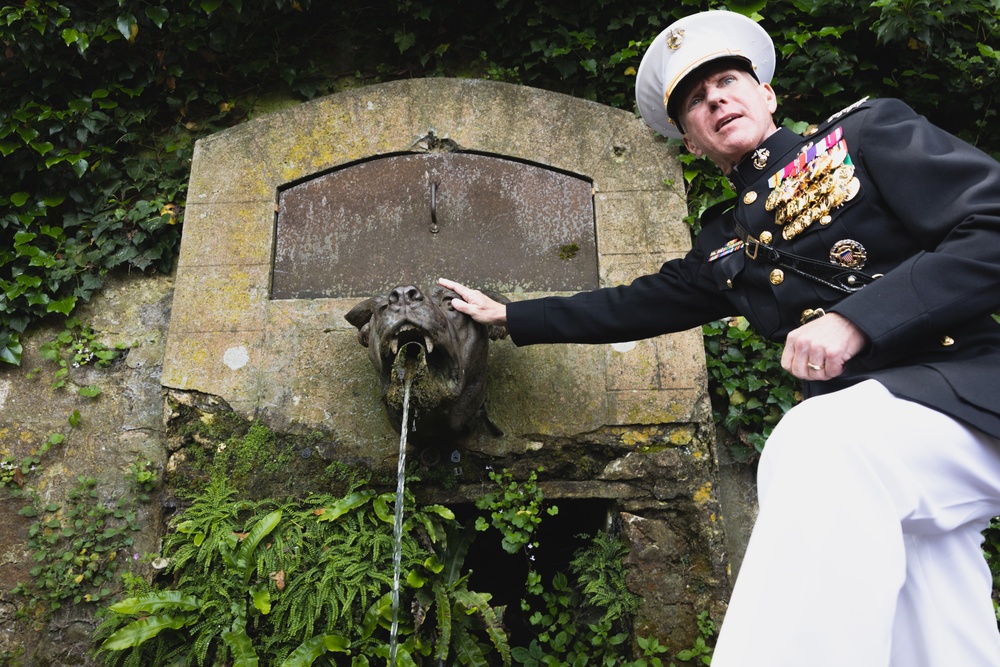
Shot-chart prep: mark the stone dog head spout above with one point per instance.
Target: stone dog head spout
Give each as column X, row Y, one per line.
column 409, row 332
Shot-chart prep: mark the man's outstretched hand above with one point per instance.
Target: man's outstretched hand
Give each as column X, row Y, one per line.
column 475, row 304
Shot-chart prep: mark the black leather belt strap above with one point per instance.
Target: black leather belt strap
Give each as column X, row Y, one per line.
column 838, row 277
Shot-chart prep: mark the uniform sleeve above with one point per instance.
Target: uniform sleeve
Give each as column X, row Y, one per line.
column 945, row 193
column 681, row 295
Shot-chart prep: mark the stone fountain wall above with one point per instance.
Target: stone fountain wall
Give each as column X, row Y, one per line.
column 627, row 425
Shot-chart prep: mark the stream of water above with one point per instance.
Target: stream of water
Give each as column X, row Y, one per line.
column 397, row 552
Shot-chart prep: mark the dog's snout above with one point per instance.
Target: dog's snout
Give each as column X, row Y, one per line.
column 405, row 294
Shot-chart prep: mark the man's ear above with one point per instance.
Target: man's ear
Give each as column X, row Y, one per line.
column 770, row 97
column 691, row 146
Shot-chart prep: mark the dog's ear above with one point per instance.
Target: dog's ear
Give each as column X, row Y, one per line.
column 361, row 317
column 496, row 332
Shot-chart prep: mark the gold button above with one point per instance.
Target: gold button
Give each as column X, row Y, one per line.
column 947, row 341
column 729, row 284
column 765, row 237
column 777, row 277
column 811, row 130
column 750, row 197
column 810, row 314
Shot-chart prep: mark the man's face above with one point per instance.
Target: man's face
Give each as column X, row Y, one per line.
column 726, row 114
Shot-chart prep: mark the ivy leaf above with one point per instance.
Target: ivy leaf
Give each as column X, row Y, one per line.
column 404, row 40
column 125, row 24
column 157, row 15
column 90, row 392
column 11, row 352
column 64, row 306
column 19, row 198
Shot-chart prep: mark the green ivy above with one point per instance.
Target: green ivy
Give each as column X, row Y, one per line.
column 75, row 346
column 515, row 509
column 750, row 390
column 104, row 99
column 76, row 547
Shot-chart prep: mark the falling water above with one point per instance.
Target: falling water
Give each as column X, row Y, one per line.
column 397, row 553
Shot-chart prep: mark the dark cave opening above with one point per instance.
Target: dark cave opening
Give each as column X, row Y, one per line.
column 504, row 575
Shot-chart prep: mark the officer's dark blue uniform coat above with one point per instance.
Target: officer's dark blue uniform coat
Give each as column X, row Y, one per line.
column 924, row 215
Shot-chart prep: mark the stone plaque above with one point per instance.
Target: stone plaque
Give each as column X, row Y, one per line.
column 409, row 219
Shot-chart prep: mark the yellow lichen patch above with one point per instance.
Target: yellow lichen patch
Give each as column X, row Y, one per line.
column 681, row 436
column 704, row 494
column 633, row 438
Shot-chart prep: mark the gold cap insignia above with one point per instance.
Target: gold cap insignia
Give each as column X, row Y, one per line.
column 674, row 39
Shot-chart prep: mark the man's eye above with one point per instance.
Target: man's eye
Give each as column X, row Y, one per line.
column 695, row 101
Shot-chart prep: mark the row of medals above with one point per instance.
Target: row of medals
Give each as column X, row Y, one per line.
column 826, row 183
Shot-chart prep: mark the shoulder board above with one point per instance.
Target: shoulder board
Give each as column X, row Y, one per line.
column 813, row 129
column 846, row 110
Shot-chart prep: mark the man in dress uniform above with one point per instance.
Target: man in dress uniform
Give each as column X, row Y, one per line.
column 871, row 249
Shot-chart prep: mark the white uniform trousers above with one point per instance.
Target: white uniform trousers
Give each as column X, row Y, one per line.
column 867, row 548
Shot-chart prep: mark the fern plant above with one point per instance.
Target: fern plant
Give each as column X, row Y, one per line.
column 601, row 576
column 175, row 610
column 461, row 615
column 255, row 582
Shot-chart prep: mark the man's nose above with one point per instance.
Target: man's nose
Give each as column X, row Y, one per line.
column 714, row 96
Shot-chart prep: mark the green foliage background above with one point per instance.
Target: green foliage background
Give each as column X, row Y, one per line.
column 102, row 99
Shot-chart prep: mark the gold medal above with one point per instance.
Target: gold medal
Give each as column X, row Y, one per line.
column 811, row 187
column 772, row 200
column 844, row 173
column 852, row 189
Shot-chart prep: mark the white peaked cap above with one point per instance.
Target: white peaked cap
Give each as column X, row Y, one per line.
column 686, row 45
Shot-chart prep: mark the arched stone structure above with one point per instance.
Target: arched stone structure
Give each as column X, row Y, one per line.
column 629, row 424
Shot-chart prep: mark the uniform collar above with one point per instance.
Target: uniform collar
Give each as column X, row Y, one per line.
column 764, row 159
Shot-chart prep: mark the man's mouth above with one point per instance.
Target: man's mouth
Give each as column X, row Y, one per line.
column 726, row 120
